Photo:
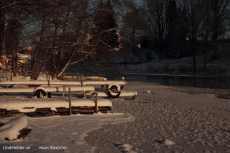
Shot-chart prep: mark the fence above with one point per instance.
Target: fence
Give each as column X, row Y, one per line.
column 5, row 74
column 24, row 69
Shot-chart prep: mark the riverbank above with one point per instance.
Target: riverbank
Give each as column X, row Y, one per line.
column 168, row 119
column 182, row 66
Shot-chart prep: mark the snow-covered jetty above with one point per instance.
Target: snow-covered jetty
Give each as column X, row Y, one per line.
column 113, row 87
column 52, row 106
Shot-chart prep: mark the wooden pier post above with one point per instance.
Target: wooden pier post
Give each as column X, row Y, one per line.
column 70, row 105
column 49, row 81
column 96, row 106
column 11, row 76
column 102, row 87
column 83, row 93
column 81, row 80
column 63, row 92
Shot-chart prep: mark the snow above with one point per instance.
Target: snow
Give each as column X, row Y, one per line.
column 22, row 104
column 21, row 55
column 104, row 94
column 63, row 133
column 15, row 90
column 99, row 94
column 11, row 129
column 128, row 148
column 46, row 89
column 169, row 119
column 77, row 83
column 169, row 142
column 106, row 82
column 38, row 82
column 148, row 91
column 66, row 88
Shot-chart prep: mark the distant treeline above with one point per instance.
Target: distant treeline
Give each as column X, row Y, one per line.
column 59, row 34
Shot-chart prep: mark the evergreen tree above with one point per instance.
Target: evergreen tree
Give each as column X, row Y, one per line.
column 103, row 32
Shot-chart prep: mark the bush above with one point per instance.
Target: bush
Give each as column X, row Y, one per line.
column 184, row 68
column 168, row 69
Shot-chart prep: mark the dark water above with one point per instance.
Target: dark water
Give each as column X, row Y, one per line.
column 204, row 82
column 195, row 81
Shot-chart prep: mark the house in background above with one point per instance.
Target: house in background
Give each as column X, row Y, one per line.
column 3, row 62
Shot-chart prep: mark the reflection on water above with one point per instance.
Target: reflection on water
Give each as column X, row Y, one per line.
column 206, row 82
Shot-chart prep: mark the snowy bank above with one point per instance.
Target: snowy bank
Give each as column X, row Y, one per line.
column 10, row 130
column 63, row 133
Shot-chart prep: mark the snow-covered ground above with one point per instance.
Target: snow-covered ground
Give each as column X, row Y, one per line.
column 61, row 133
column 168, row 119
column 162, row 119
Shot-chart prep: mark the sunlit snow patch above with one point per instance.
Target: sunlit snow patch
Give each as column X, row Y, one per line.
column 11, row 129
column 128, row 148
column 169, row 142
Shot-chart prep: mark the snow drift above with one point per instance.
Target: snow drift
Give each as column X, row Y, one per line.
column 11, row 130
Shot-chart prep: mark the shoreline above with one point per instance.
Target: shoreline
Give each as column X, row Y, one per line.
column 181, row 75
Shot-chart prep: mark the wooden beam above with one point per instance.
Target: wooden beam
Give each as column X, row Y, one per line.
column 70, row 111
column 96, row 107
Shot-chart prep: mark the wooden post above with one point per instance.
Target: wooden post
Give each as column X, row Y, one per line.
column 83, row 93
column 102, row 87
column 70, row 110
column 49, row 81
column 11, row 76
column 96, row 107
column 63, row 92
column 135, row 96
column 77, row 76
column 81, row 80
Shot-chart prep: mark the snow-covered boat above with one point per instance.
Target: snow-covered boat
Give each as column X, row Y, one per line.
column 113, row 87
column 52, row 106
column 42, row 91
column 75, row 83
column 132, row 94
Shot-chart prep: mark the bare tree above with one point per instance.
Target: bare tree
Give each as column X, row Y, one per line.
column 157, row 22
column 133, row 24
column 2, row 25
column 194, row 13
column 219, row 15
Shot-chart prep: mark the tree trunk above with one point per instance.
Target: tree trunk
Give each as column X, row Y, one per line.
column 36, row 66
column 214, row 44
column 14, row 61
column 205, row 50
column 215, row 29
column 194, row 57
column 193, row 43
column 83, row 39
column 2, row 27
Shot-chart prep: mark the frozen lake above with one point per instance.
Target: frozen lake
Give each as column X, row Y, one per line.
column 195, row 81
